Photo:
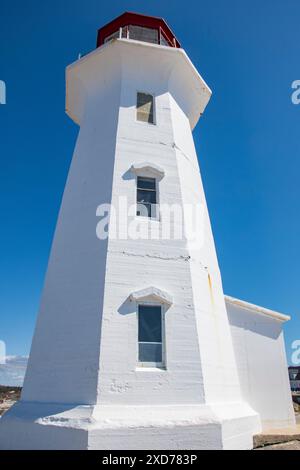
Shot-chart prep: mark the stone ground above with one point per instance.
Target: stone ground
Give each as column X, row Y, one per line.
column 279, row 439
column 291, row 445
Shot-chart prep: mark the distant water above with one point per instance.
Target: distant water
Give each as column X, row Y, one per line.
column 13, row 371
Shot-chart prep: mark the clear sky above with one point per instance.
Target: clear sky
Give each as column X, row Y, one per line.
column 247, row 141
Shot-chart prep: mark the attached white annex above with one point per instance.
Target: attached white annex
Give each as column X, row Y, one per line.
column 134, row 347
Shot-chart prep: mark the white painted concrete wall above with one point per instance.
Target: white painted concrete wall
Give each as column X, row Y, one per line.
column 262, row 366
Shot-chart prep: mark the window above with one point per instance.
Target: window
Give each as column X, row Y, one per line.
column 112, row 36
column 150, row 335
column 163, row 41
column 146, row 197
column 125, row 30
column 145, row 108
column 140, row 33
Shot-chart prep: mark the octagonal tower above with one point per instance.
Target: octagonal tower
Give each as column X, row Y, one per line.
column 132, row 347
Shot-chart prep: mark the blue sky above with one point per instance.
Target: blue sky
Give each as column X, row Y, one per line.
column 248, row 141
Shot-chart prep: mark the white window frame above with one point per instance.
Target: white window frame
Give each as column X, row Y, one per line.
column 127, row 32
column 163, row 363
column 144, row 123
column 142, row 217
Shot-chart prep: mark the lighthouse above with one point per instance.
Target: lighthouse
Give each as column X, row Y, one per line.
column 132, row 348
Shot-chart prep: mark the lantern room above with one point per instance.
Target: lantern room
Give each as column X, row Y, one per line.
column 139, row 28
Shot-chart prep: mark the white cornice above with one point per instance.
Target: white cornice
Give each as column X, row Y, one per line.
column 139, row 168
column 257, row 309
column 150, row 293
column 184, row 81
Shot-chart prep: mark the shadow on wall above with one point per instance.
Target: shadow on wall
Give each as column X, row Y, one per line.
column 260, row 324
column 127, row 307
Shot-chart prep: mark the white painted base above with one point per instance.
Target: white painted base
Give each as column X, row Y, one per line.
column 50, row 426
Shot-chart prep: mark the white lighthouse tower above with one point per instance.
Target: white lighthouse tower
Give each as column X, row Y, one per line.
column 132, row 347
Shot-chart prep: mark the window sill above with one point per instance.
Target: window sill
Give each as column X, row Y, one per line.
column 151, row 369
column 143, row 219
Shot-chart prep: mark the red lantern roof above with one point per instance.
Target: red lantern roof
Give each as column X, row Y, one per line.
column 139, row 27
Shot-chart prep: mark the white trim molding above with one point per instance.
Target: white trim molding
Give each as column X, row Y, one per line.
column 152, row 293
column 147, row 167
column 257, row 309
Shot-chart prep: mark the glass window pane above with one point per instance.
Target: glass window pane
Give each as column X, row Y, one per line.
column 150, row 352
column 145, row 107
column 146, row 183
column 146, row 196
column 112, row 36
column 145, row 116
column 124, row 31
column 163, row 41
column 143, row 34
column 150, row 323
column 145, row 210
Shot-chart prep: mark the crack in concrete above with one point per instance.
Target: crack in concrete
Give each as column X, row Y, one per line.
column 148, row 255
column 153, row 142
column 183, row 154
column 173, row 145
